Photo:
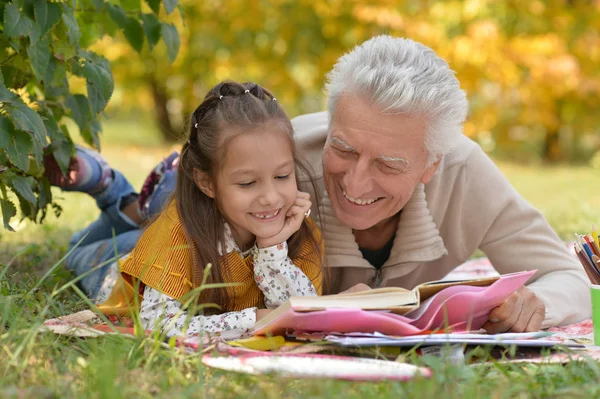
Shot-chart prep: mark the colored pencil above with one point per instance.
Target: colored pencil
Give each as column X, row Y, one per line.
column 593, row 245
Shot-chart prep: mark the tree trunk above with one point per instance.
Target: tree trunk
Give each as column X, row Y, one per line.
column 552, row 149
column 163, row 119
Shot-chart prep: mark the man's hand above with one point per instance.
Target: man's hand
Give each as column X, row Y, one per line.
column 293, row 220
column 356, row 288
column 521, row 312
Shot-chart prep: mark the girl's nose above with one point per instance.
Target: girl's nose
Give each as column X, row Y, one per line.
column 270, row 197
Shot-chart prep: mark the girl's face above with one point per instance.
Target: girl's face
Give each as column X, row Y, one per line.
column 256, row 184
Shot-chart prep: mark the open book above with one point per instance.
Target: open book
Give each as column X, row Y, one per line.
column 458, row 305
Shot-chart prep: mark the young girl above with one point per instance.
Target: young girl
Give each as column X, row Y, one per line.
column 236, row 207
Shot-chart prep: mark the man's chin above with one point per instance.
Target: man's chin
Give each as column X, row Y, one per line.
column 354, row 222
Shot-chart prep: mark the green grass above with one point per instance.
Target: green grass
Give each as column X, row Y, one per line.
column 48, row 366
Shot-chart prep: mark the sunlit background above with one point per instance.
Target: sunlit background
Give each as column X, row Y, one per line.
column 530, row 68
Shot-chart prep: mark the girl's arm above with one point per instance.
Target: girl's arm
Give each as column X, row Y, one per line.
column 278, row 277
column 159, row 311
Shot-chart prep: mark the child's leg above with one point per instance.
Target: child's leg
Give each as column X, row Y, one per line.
column 99, row 254
column 162, row 193
column 112, row 220
column 158, row 186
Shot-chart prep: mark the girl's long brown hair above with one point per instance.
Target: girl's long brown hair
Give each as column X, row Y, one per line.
column 228, row 105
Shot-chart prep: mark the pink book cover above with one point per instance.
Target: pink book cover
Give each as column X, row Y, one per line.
column 459, row 308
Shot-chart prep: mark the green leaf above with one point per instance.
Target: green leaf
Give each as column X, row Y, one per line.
column 44, row 197
column 134, row 33
column 80, row 110
column 100, row 84
column 64, row 51
column 15, row 45
column 171, row 39
column 95, row 130
column 117, row 14
column 154, row 5
column 61, row 144
column 38, row 153
column 70, row 22
column 99, row 4
column 47, row 14
column 170, row 5
column 8, row 212
column 21, row 144
column 22, row 186
column 131, row 5
column 27, row 119
column 6, row 95
column 6, row 131
column 28, row 7
column 152, row 29
column 63, row 152
column 16, row 24
column 39, row 56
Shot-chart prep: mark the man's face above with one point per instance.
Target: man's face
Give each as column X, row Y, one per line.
column 372, row 162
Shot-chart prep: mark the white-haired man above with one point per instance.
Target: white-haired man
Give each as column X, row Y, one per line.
column 406, row 197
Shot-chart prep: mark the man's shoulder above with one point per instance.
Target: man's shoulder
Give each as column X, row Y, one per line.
column 310, row 133
column 311, row 129
column 460, row 154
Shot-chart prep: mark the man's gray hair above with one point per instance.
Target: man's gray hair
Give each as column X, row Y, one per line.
column 402, row 76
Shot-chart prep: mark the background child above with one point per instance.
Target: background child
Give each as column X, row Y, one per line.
column 236, row 206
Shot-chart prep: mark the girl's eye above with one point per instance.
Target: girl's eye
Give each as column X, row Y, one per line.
column 283, row 177
column 246, row 185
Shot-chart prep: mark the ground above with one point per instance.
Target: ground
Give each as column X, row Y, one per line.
column 46, row 366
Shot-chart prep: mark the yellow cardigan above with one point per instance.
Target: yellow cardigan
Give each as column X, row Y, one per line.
column 163, row 260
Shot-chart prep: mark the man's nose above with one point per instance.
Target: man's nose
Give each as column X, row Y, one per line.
column 358, row 180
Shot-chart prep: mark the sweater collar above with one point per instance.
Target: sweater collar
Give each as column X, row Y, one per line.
column 417, row 237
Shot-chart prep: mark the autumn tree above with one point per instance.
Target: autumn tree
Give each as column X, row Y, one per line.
column 529, row 67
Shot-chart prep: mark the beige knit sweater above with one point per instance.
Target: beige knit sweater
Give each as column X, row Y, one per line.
column 468, row 205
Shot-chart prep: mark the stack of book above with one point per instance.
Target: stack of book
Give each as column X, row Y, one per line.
column 455, row 306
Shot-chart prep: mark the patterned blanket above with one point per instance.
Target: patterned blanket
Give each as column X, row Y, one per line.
column 87, row 324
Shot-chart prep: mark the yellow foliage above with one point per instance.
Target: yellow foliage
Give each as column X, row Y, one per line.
column 530, row 64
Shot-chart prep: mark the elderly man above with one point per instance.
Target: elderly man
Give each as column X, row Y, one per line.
column 406, row 197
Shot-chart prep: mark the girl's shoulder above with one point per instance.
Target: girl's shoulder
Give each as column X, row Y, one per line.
column 162, row 256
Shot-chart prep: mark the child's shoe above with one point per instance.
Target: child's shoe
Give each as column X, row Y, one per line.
column 88, row 172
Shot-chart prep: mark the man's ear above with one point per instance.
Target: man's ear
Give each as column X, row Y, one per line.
column 204, row 183
column 430, row 171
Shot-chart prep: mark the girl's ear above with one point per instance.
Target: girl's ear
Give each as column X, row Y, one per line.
column 204, row 183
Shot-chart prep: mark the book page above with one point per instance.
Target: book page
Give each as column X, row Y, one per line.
column 384, row 299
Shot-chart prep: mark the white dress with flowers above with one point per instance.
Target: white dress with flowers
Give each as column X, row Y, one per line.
column 274, row 273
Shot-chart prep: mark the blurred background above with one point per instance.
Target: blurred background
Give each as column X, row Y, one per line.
column 530, row 69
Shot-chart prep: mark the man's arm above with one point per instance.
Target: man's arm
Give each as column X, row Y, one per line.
column 516, row 237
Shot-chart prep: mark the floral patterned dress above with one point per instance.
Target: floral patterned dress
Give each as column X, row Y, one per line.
column 274, row 273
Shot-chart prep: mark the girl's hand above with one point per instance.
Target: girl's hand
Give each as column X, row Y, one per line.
column 293, row 220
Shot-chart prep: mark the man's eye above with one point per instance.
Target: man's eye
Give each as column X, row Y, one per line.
column 389, row 169
column 282, row 177
column 246, row 184
column 343, row 151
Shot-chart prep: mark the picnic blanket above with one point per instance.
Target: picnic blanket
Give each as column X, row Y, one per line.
column 88, row 324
